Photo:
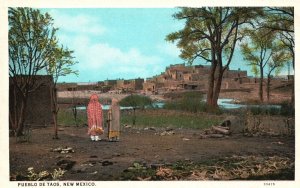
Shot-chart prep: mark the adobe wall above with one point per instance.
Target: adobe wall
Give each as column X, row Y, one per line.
column 38, row 111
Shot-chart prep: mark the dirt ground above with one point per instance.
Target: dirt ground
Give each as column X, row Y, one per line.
column 105, row 160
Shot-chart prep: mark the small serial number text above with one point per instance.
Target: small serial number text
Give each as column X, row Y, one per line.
column 269, row 184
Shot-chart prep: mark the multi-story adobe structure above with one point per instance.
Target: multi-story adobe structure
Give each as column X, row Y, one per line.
column 130, row 85
column 180, row 77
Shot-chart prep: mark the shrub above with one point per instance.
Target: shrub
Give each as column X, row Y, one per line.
column 136, row 101
column 189, row 101
column 264, row 110
column 287, row 109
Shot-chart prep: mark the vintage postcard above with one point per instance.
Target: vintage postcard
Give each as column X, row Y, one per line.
column 184, row 94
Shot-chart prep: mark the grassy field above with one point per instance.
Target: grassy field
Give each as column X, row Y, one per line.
column 170, row 118
column 66, row 117
column 149, row 118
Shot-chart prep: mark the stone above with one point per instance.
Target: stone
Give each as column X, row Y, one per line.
column 106, row 163
column 152, row 128
column 216, row 135
column 80, row 169
column 236, row 124
column 156, row 165
column 169, row 129
column 65, row 164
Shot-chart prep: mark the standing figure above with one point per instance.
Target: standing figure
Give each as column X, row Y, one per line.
column 95, row 118
column 114, row 121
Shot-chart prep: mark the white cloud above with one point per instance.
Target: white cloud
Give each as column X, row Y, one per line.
column 102, row 60
column 82, row 24
column 169, row 49
column 99, row 61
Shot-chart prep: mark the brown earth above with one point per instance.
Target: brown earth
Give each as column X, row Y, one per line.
column 105, row 160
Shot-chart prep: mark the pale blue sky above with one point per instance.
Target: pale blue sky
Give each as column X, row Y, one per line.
column 120, row 43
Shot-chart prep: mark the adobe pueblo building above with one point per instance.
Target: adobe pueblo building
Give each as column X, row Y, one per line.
column 110, row 86
column 181, row 77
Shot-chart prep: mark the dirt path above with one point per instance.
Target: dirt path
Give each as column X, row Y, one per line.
column 107, row 160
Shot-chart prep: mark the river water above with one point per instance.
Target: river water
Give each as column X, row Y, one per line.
column 224, row 103
column 229, row 104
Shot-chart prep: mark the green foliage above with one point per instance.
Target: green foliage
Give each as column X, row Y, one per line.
column 31, row 41
column 60, row 64
column 188, row 101
column 208, row 27
column 281, row 21
column 136, row 101
column 32, row 49
column 211, row 34
column 285, row 109
column 137, row 172
column 264, row 54
column 261, row 110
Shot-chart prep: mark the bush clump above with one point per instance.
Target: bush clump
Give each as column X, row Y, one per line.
column 136, row 101
column 190, row 102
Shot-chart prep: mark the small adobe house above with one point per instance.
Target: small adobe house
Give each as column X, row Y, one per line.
column 38, row 110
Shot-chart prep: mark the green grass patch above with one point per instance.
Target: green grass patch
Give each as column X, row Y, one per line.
column 66, row 117
column 148, row 118
column 165, row 118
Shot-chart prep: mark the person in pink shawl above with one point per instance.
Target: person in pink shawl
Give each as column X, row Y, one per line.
column 95, row 118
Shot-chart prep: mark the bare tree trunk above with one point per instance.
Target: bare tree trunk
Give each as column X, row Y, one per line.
column 293, row 84
column 261, row 97
column 54, row 115
column 268, row 87
column 211, row 82
column 54, row 109
column 293, row 94
column 13, row 115
column 21, row 120
column 134, row 117
column 218, row 85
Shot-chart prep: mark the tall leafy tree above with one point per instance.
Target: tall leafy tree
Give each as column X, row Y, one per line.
column 266, row 54
column 59, row 65
column 275, row 65
column 33, row 50
column 31, row 43
column 281, row 20
column 258, row 51
column 211, row 33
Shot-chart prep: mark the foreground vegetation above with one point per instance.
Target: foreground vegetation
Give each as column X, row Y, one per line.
column 228, row 168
